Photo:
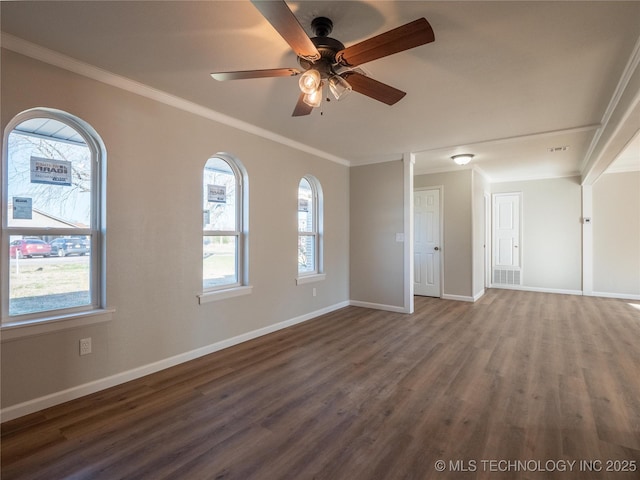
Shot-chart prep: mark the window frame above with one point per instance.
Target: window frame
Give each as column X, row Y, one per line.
column 96, row 231
column 316, row 232
column 241, row 285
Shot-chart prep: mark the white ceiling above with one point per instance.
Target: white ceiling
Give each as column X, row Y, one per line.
column 505, row 81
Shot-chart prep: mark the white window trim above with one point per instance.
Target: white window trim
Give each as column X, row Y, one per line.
column 317, row 274
column 310, row 278
column 241, row 287
column 222, row 294
column 38, row 323
column 40, row 326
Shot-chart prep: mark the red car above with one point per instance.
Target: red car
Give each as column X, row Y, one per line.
column 29, row 247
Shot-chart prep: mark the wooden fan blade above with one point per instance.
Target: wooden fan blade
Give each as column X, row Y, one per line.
column 373, row 88
column 301, row 107
column 286, row 24
column 399, row 39
column 272, row 72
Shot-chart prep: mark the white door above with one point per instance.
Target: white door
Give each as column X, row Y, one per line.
column 426, row 247
column 506, row 239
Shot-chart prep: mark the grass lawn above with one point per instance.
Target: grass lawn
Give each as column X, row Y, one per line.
column 37, row 284
column 34, row 278
column 219, row 269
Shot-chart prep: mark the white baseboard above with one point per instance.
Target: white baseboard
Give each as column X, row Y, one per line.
column 72, row 393
column 393, row 308
column 479, row 295
column 538, row 289
column 378, row 306
column 459, row 298
column 621, row 296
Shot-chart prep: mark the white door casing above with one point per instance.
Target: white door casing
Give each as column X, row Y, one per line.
column 427, row 247
column 487, row 240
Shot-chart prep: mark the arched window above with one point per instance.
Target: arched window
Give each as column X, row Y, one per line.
column 224, row 249
column 53, row 216
column 309, row 226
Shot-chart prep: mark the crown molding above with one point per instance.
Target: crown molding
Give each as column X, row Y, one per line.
column 588, row 166
column 59, row 60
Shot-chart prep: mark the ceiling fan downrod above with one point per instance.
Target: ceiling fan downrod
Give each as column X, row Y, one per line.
column 322, row 26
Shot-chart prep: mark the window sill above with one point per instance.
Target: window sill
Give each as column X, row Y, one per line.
column 40, row 326
column 315, row 277
column 216, row 295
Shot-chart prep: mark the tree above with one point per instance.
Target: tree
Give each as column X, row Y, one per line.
column 69, row 202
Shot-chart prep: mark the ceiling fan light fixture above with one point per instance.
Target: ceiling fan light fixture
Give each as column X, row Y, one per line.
column 313, row 99
column 339, row 86
column 462, row 159
column 310, row 81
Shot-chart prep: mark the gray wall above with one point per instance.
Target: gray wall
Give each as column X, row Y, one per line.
column 155, row 156
column 616, row 234
column 376, row 259
column 551, row 246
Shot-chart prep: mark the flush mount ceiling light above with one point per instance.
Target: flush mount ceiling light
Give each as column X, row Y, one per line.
column 462, row 159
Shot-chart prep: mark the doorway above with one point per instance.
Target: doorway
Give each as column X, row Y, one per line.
column 507, row 255
column 427, row 243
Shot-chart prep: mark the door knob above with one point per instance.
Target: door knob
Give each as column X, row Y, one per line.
column 436, row 248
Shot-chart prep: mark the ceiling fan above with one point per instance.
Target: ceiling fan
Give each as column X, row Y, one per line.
column 326, row 61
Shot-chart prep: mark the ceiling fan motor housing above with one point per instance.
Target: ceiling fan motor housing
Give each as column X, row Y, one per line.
column 327, row 46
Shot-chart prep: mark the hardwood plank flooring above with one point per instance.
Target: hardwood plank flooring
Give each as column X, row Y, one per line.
column 360, row 394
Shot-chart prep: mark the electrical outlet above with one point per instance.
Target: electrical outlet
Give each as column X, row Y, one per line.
column 85, row 346
column 314, row 292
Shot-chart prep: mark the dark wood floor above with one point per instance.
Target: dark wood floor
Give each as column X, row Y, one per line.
column 361, row 394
